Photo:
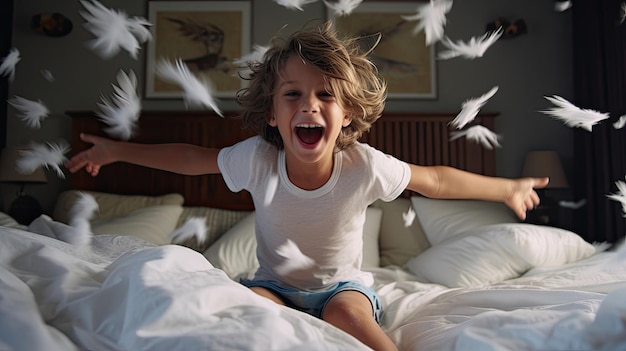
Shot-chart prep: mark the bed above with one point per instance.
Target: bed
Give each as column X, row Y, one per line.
column 464, row 275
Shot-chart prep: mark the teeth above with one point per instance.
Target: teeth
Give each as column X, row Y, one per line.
column 306, row 125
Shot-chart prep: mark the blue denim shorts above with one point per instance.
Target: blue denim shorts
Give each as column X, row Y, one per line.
column 314, row 303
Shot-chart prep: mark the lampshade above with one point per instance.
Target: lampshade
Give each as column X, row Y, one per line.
column 545, row 164
column 8, row 168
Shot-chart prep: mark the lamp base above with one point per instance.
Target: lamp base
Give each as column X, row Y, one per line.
column 25, row 209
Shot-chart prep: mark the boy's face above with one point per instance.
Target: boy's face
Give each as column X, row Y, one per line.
column 306, row 114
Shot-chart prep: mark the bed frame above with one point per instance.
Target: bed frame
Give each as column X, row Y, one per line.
column 420, row 138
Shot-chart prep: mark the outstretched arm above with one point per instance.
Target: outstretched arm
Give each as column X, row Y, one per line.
column 450, row 183
column 178, row 158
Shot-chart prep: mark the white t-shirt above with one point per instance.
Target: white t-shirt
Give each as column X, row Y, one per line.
column 326, row 224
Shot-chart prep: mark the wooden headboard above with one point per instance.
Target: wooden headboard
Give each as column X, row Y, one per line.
column 420, row 138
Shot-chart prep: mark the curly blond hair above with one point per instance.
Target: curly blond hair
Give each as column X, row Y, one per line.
column 351, row 76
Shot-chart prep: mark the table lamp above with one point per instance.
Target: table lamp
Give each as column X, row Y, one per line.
column 25, row 208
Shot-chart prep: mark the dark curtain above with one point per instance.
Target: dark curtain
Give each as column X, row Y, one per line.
column 599, row 84
column 6, row 25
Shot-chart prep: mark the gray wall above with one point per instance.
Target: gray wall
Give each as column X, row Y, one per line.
column 525, row 68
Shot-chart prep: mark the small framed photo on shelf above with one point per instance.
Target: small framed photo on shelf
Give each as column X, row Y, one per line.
column 206, row 35
column 402, row 56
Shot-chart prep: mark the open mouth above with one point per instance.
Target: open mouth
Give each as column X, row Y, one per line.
column 309, row 133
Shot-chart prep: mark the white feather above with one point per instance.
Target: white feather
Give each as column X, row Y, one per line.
column 342, row 7
column 195, row 91
column 32, row 112
column 572, row 115
column 193, row 227
column 561, row 6
column 574, row 205
column 294, row 4
column 121, row 112
column 80, row 214
column 114, row 30
column 408, row 217
column 470, row 109
column 620, row 123
column 479, row 134
column 47, row 75
column 49, row 155
column 9, row 62
column 251, row 59
column 620, row 195
column 431, row 19
column 476, row 47
column 622, row 12
column 295, row 260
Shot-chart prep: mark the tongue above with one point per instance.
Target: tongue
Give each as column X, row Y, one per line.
column 309, row 135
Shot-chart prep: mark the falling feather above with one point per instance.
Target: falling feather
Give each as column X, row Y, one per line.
column 80, row 215
column 573, row 205
column 195, row 91
column 7, row 68
column 620, row 195
column 49, row 155
column 114, row 30
column 476, row 47
column 294, row 4
column 408, row 217
column 431, row 19
column 619, row 124
column 342, row 7
column 295, row 260
column 622, row 12
column 470, row 109
column 572, row 115
column 251, row 59
column 47, row 75
column 194, row 227
column 561, row 6
column 32, row 112
column 121, row 112
column 479, row 134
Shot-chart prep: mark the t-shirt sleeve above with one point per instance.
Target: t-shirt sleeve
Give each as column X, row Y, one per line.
column 235, row 163
column 391, row 174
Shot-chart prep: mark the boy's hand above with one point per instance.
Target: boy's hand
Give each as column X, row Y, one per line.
column 92, row 159
column 523, row 196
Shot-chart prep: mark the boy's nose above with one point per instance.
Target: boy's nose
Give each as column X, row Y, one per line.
column 309, row 105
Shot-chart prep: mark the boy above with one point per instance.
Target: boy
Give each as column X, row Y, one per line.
column 311, row 181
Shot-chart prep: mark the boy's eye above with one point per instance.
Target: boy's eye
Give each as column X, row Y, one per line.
column 292, row 93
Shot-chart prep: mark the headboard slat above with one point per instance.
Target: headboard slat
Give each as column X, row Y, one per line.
column 420, row 138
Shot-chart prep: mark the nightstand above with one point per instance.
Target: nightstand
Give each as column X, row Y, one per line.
column 544, row 215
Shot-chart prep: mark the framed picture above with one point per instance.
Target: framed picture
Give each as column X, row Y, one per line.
column 206, row 35
column 402, row 56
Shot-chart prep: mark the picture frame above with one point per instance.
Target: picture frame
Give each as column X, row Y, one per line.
column 403, row 59
column 206, row 35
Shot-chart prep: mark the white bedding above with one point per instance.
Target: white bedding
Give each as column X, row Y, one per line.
column 121, row 293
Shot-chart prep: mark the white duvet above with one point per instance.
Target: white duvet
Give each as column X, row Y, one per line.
column 123, row 294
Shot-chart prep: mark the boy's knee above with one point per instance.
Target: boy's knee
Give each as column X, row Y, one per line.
column 348, row 308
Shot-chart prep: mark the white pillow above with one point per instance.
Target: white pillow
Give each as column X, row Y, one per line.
column 8, row 221
column 442, row 219
column 497, row 252
column 235, row 251
column 153, row 224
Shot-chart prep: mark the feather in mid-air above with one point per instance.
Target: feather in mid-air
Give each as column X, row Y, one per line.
column 294, row 4
column 620, row 123
column 121, row 112
column 114, row 30
column 194, row 227
column 48, row 155
column 342, row 7
column 474, row 48
column 195, row 90
column 47, row 75
column 295, row 260
column 622, row 12
column 561, row 6
column 80, row 215
column 31, row 112
column 251, row 59
column 408, row 217
column 431, row 19
column 479, row 134
column 620, row 195
column 470, row 109
column 572, row 115
column 9, row 62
